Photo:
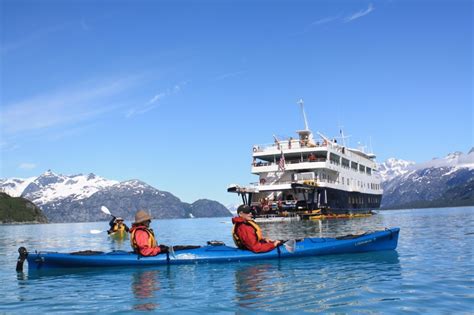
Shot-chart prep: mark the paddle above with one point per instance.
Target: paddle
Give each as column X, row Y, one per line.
column 171, row 251
column 290, row 245
column 105, row 210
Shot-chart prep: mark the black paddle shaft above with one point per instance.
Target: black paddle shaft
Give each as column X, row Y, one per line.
column 21, row 259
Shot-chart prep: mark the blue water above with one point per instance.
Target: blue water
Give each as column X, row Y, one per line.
column 432, row 270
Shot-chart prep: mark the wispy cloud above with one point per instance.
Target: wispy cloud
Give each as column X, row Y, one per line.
column 359, row 14
column 339, row 18
column 8, row 146
column 64, row 107
column 38, row 34
column 229, row 75
column 154, row 101
column 324, row 20
column 27, row 166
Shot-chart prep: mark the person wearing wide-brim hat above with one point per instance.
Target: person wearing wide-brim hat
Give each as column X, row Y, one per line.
column 248, row 235
column 142, row 238
column 117, row 225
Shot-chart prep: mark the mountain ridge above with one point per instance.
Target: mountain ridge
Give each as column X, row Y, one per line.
column 78, row 198
column 440, row 182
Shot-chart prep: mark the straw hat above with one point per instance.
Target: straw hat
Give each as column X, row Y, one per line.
column 141, row 216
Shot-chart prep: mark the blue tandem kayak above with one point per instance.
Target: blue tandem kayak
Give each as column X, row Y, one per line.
column 374, row 241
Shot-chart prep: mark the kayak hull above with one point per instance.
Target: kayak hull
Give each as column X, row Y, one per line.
column 376, row 241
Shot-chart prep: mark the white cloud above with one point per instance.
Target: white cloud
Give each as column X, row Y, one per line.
column 35, row 36
column 156, row 98
column 138, row 110
column 64, row 107
column 27, row 166
column 359, row 14
column 325, row 20
column 154, row 101
column 8, row 146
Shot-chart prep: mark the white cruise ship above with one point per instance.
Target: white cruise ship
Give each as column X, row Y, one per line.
column 311, row 178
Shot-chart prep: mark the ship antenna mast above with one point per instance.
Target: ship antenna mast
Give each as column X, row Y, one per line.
column 301, row 103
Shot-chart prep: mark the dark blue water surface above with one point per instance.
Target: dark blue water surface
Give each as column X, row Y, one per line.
column 432, row 270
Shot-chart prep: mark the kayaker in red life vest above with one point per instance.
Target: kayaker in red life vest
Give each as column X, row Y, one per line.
column 248, row 235
column 142, row 237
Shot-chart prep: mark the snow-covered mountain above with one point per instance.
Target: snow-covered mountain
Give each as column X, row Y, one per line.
column 15, row 186
column 394, row 167
column 50, row 187
column 447, row 181
column 233, row 208
column 78, row 198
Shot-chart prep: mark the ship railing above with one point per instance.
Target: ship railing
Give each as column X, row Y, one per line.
column 287, row 145
column 260, row 163
column 316, row 181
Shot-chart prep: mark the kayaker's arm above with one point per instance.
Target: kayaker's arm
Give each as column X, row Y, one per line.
column 112, row 222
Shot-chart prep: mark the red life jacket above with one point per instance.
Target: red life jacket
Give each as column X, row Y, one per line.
column 151, row 237
column 251, row 223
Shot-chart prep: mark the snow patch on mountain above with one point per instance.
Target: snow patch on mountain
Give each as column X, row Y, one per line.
column 233, row 208
column 456, row 160
column 15, row 186
column 447, row 181
column 50, row 187
column 394, row 167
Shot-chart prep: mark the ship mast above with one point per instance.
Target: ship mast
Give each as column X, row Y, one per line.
column 301, row 103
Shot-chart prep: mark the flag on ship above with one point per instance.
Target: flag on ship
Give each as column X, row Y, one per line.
column 281, row 164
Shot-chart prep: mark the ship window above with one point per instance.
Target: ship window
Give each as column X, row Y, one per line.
column 354, row 166
column 334, row 158
column 345, row 162
column 368, row 170
column 361, row 168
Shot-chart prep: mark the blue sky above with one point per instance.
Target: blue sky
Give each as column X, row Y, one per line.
column 175, row 93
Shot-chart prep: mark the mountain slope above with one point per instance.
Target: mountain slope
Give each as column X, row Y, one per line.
column 19, row 210
column 438, row 183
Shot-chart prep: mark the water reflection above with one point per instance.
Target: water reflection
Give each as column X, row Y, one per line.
column 250, row 283
column 145, row 284
column 271, row 286
column 323, row 228
column 120, row 243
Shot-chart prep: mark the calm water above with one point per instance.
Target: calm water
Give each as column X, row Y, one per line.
column 432, row 271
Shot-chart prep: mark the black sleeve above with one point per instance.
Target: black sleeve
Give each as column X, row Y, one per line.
column 112, row 222
column 126, row 228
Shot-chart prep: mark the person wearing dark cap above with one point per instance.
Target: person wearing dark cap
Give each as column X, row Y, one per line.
column 142, row 238
column 248, row 235
column 117, row 225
